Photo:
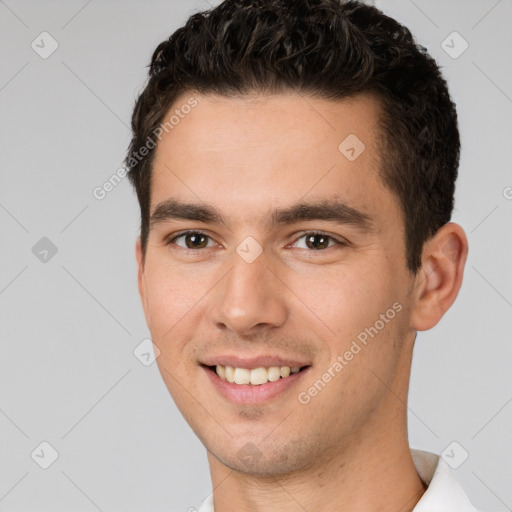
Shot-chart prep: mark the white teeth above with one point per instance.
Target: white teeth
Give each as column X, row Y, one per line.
column 255, row 376
column 221, row 372
column 242, row 376
column 259, row 376
column 274, row 373
column 230, row 374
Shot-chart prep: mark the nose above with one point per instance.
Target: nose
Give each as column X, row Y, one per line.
column 250, row 298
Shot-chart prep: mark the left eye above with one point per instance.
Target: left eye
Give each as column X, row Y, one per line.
column 317, row 241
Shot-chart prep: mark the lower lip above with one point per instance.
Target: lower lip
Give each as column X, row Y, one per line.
column 250, row 394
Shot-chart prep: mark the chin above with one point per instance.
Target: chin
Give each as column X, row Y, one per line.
column 270, row 460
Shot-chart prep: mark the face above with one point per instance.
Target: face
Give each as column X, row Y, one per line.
column 290, row 253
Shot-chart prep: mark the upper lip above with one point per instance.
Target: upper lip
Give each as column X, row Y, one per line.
column 264, row 361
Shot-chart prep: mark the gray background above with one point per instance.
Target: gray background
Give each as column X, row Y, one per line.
column 68, row 375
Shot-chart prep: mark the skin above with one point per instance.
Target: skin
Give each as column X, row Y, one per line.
column 347, row 448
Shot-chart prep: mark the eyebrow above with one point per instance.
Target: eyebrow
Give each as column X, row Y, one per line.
column 331, row 210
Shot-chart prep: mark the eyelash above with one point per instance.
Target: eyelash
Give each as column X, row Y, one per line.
column 170, row 241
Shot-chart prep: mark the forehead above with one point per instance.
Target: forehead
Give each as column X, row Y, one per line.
column 271, row 124
column 248, row 152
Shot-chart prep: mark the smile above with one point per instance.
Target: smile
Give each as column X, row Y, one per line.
column 254, row 376
column 253, row 385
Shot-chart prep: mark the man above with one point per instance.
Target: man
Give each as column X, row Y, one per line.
column 295, row 164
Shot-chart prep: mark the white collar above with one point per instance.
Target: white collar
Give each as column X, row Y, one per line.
column 443, row 494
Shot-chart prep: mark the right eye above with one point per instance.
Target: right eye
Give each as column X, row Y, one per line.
column 193, row 240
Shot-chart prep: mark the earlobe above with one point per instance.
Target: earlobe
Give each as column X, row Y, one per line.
column 439, row 280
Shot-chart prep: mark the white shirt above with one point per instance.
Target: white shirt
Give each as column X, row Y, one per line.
column 443, row 494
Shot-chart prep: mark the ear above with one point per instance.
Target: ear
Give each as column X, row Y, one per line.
column 141, row 279
column 438, row 281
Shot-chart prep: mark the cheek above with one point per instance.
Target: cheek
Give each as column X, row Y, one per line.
column 172, row 290
column 173, row 305
column 341, row 302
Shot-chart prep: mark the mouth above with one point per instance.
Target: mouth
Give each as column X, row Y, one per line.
column 254, row 376
column 254, row 386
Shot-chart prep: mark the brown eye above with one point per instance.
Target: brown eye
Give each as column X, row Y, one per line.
column 317, row 241
column 193, row 240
